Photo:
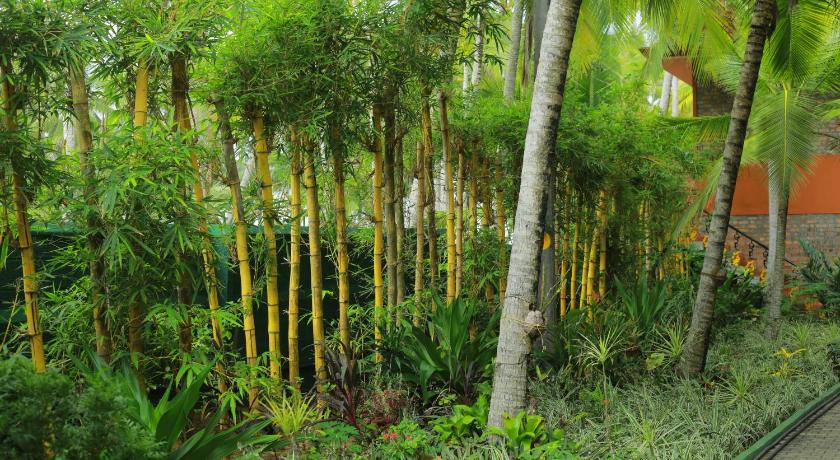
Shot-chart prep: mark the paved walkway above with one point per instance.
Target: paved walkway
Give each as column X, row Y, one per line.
column 818, row 441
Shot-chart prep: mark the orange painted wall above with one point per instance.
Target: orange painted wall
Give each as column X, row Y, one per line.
column 817, row 193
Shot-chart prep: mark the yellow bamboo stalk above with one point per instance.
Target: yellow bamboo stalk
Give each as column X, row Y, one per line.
column 419, row 230
column 648, row 248
column 378, row 238
column 574, row 267
column 451, row 286
column 84, row 141
column 341, row 243
column 473, row 207
column 602, row 265
column 459, row 223
column 25, row 243
column 185, row 289
column 486, row 218
column 426, row 126
column 180, row 87
column 564, row 254
column 500, row 232
column 660, row 252
column 272, row 285
column 584, row 269
column 593, row 248
column 135, row 307
column 30, row 284
column 294, row 264
column 246, row 284
column 315, row 273
column 141, row 94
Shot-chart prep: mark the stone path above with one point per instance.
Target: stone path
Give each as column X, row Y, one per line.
column 818, row 441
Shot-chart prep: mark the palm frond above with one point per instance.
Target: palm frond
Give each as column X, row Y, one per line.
column 800, row 30
column 782, row 134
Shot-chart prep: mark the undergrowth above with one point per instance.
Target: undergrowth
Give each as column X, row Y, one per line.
column 749, row 387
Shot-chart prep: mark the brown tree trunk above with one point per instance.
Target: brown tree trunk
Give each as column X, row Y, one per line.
column 694, row 357
column 182, row 123
column 419, row 271
column 388, row 161
column 500, row 231
column 399, row 215
column 84, row 142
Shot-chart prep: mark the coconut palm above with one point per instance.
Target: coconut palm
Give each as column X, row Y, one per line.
column 694, row 358
column 510, row 375
column 800, row 69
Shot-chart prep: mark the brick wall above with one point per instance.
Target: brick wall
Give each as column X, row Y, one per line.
column 711, row 99
column 821, row 230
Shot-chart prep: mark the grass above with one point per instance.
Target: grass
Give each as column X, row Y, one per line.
column 750, row 386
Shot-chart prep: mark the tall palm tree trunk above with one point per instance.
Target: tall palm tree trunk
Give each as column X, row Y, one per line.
column 774, row 291
column 271, row 284
column 694, row 358
column 513, row 52
column 478, row 65
column 511, row 377
column 246, row 284
column 451, row 254
column 25, row 243
column 84, row 142
column 313, row 212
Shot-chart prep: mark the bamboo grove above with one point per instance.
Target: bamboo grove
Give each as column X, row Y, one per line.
column 382, row 141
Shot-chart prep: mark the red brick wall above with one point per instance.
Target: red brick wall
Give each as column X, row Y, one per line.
column 821, row 230
column 815, row 204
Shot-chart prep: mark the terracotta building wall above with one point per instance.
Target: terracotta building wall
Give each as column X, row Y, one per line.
column 814, row 213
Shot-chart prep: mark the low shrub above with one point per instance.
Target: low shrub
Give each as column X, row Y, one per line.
column 46, row 415
column 750, row 386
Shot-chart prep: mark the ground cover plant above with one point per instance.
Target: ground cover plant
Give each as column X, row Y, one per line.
column 407, row 228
